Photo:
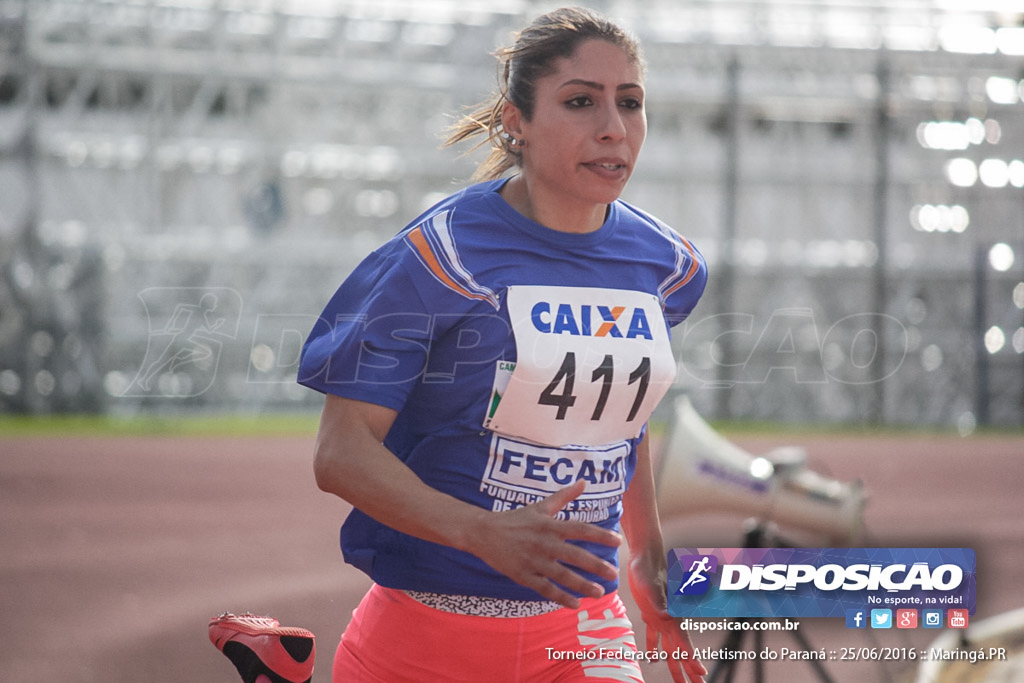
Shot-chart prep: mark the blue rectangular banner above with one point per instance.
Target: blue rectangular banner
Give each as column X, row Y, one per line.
column 817, row 582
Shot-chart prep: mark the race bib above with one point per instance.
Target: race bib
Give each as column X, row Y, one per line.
column 520, row 473
column 592, row 364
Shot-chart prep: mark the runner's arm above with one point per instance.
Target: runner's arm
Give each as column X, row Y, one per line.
column 648, row 573
column 527, row 544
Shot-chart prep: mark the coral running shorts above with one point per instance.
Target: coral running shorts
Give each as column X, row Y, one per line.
column 393, row 638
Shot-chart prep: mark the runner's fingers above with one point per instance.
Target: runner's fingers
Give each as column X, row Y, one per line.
column 686, row 671
column 581, row 531
column 560, row 498
column 675, row 668
column 550, row 591
column 653, row 636
column 695, row 671
column 583, row 559
column 555, row 572
column 574, row 581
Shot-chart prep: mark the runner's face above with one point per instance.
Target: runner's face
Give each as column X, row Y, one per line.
column 588, row 125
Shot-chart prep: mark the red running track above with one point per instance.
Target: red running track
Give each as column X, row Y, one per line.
column 115, row 552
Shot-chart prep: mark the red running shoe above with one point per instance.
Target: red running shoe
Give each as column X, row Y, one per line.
column 260, row 646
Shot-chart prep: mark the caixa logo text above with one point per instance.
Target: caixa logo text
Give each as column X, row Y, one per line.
column 831, row 577
column 586, row 320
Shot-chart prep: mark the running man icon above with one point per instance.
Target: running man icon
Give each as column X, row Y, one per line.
column 189, row 328
column 697, row 579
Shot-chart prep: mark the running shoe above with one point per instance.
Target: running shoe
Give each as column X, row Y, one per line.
column 261, row 649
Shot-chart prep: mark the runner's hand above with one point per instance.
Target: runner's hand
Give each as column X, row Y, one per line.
column 648, row 585
column 530, row 546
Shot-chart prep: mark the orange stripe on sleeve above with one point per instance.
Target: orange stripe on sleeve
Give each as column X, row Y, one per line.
column 420, row 242
column 694, row 267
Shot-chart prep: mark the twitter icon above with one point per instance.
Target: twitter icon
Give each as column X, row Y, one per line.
column 881, row 618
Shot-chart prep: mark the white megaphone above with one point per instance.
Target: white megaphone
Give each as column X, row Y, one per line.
column 700, row 471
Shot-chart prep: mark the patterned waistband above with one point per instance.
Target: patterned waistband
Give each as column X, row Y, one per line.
column 477, row 606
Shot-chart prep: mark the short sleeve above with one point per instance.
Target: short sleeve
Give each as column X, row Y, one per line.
column 372, row 339
column 682, row 292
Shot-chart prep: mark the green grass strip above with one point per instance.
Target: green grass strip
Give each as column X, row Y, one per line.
column 158, row 425
column 305, row 424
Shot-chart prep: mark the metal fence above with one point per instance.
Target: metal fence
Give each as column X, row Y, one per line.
column 183, row 184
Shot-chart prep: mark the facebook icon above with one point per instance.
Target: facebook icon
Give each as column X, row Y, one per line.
column 856, row 618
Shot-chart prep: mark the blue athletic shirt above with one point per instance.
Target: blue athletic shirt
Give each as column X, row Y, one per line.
column 519, row 359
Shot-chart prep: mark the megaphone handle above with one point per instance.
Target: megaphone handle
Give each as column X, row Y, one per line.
column 759, row 534
column 753, row 537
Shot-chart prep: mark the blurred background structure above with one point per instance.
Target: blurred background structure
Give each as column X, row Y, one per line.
column 183, row 184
